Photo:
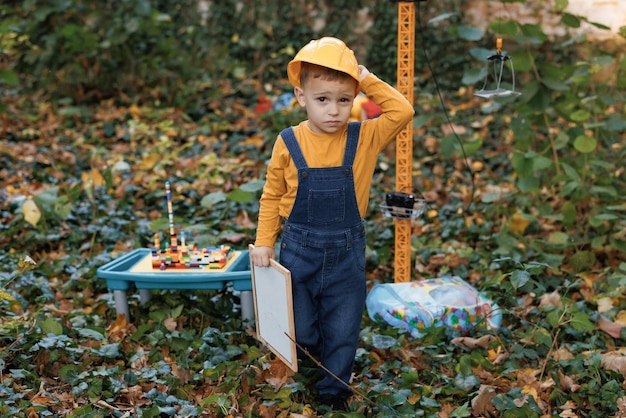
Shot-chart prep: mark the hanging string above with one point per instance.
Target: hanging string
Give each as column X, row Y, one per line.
column 499, row 29
column 445, row 109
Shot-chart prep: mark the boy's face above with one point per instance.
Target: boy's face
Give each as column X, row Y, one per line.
column 327, row 103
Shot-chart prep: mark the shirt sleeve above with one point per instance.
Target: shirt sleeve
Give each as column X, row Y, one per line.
column 269, row 222
column 397, row 111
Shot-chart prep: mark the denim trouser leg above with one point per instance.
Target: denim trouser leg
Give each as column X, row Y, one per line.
column 340, row 322
column 328, row 298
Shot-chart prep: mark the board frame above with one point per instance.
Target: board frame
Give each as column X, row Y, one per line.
column 273, row 310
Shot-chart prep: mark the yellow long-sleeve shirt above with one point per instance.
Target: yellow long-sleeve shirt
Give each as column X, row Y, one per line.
column 324, row 150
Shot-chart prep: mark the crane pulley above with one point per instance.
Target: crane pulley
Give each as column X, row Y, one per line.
column 498, row 71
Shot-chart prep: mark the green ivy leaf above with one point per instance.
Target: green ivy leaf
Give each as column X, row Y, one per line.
column 151, row 412
column 523, row 60
column 571, row 172
column 109, row 350
column 561, row 140
column 580, row 115
column 519, row 278
column 560, row 5
column 541, row 163
column 253, row 186
column 542, row 336
column 554, row 84
column 175, row 313
column 615, row 122
column 466, row 382
column 470, row 76
column 523, row 165
column 92, row 334
column 240, row 196
column 51, row 326
column 568, row 211
column 69, row 374
column 507, row 27
column 528, row 184
column 599, row 241
column 213, row 198
column 447, row 146
column 470, row 33
column 461, row 411
column 558, row 238
column 421, row 120
column 581, row 322
column 554, row 317
column 570, row 20
column 220, row 400
column 9, row 77
column 582, row 260
column 608, row 190
column 480, row 54
column 585, row 144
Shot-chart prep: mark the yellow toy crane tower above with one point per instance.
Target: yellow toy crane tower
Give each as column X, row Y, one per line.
column 404, row 140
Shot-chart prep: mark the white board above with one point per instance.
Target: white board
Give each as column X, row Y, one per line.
column 273, row 310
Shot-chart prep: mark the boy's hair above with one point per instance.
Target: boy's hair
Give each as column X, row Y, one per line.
column 310, row 71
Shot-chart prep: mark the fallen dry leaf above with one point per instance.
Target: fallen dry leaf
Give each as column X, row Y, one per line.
column 31, row 212
column 413, row 399
column 482, row 342
column 268, row 410
column 277, row 374
column 610, row 327
column 530, row 390
column 567, row 383
column 449, row 129
column 482, row 402
column 500, row 358
column 551, row 299
column 42, row 400
column 521, row 401
column 621, row 406
column 621, row 318
column 170, row 324
column 307, row 412
column 517, row 224
column 615, row 360
column 183, row 373
column 119, row 329
column 92, row 178
column 140, row 359
column 562, row 353
column 605, row 304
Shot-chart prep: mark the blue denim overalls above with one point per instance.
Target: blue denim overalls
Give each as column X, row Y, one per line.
column 323, row 245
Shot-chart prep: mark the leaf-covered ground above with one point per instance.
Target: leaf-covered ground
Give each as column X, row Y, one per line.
column 83, row 185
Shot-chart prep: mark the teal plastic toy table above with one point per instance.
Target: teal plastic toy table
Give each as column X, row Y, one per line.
column 121, row 273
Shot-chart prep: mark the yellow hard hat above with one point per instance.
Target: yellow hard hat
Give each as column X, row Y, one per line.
column 327, row 52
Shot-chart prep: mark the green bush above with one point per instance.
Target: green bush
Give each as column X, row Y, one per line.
column 159, row 50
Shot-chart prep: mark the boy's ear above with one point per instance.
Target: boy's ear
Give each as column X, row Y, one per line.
column 297, row 91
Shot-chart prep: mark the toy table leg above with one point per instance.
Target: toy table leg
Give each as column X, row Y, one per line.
column 121, row 303
column 145, row 295
column 247, row 305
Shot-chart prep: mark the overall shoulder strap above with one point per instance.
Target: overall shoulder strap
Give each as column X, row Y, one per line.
column 354, row 130
column 294, row 149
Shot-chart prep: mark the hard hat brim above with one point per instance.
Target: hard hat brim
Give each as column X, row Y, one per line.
column 326, row 52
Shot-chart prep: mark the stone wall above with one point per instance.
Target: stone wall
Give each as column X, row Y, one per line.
column 611, row 13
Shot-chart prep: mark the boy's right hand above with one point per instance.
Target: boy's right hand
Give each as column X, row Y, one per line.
column 261, row 256
column 363, row 72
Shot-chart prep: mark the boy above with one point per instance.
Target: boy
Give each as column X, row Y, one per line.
column 318, row 182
